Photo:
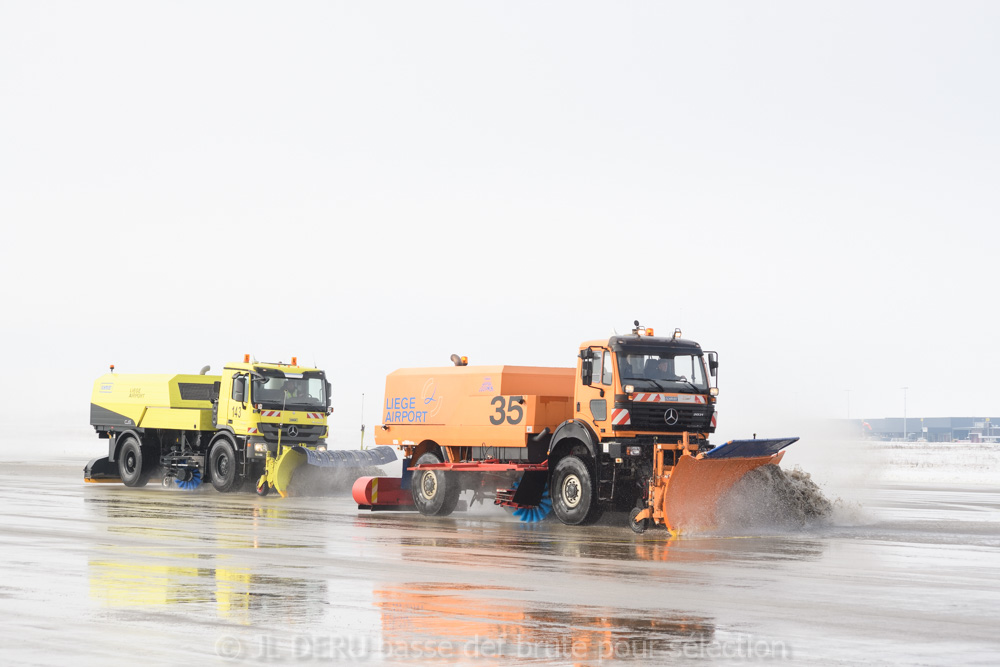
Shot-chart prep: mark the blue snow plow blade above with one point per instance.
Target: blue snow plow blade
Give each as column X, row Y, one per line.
column 350, row 458
column 749, row 449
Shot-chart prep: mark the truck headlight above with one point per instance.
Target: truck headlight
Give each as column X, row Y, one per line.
column 633, row 451
column 260, row 447
column 320, row 448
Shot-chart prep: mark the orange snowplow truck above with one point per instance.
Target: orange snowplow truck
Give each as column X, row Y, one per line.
column 627, row 429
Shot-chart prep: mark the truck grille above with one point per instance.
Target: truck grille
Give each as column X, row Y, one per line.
column 652, row 417
column 304, row 433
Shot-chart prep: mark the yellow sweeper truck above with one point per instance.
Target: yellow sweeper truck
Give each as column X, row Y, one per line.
column 256, row 424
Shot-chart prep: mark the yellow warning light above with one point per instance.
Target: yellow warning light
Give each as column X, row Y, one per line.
column 112, row 368
column 465, row 361
column 649, row 331
column 246, row 358
column 295, row 361
column 677, row 333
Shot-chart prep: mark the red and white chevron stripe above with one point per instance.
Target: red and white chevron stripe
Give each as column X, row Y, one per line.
column 620, row 417
column 314, row 415
column 270, row 413
column 714, row 416
column 251, row 429
column 669, row 398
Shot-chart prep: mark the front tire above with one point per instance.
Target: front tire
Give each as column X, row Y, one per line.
column 574, row 496
column 132, row 467
column 435, row 492
column 222, row 466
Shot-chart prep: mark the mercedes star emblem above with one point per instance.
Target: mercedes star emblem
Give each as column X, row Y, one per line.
column 671, row 416
column 294, row 431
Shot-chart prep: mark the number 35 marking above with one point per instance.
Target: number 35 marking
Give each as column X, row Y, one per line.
column 514, row 412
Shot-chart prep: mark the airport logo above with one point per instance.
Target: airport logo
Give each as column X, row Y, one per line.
column 106, row 388
column 432, row 401
column 487, row 386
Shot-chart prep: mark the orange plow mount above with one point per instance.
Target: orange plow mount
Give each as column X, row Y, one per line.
column 686, row 488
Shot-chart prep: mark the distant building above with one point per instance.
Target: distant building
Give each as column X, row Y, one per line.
column 932, row 429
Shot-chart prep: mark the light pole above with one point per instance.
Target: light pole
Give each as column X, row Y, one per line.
column 904, row 413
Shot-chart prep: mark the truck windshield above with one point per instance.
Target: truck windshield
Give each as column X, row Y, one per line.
column 276, row 391
column 663, row 370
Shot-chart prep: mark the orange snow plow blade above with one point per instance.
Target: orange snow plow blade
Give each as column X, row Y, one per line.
column 684, row 496
column 696, row 485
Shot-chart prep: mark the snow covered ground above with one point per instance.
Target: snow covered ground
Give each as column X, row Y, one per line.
column 938, row 462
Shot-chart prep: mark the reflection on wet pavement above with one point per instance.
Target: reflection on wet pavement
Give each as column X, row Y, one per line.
column 195, row 576
column 443, row 613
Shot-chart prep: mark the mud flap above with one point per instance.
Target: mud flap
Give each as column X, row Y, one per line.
column 101, row 470
column 530, row 488
column 696, row 485
column 318, row 473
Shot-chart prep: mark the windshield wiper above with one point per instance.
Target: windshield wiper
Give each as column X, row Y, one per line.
column 652, row 381
column 689, row 383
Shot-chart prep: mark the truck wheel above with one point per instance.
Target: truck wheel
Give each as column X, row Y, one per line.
column 637, row 526
column 133, row 470
column 222, row 467
column 435, row 493
column 574, row 498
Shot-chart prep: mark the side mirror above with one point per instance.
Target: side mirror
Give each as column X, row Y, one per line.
column 329, row 390
column 239, row 389
column 587, row 367
column 713, row 364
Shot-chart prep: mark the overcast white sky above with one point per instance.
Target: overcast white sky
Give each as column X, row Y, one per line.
column 810, row 189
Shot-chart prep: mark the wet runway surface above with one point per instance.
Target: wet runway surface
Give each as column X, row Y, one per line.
column 103, row 574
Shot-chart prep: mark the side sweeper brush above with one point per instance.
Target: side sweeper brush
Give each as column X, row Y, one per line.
column 538, row 512
column 189, row 481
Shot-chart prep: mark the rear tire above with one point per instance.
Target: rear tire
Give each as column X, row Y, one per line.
column 222, row 467
column 574, row 494
column 133, row 467
column 435, row 493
